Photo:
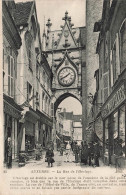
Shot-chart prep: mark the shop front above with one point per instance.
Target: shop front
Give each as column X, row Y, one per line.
column 45, row 129
column 28, row 132
column 114, row 125
column 12, row 114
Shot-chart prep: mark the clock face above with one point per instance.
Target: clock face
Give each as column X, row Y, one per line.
column 66, row 76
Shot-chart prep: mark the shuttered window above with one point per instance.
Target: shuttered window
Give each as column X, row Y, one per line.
column 10, row 76
column 123, row 46
column 115, row 63
column 28, row 41
column 105, row 85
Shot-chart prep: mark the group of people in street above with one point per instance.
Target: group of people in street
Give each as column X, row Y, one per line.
column 87, row 154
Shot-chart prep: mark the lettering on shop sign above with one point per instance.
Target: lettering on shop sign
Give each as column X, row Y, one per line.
column 11, row 111
column 114, row 102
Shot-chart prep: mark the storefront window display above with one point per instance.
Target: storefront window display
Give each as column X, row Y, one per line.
column 106, row 137
column 29, row 142
column 113, row 132
column 122, row 127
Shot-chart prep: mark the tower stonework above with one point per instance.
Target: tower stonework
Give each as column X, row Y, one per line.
column 64, row 50
column 93, row 14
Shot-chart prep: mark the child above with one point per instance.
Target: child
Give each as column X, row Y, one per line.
column 49, row 156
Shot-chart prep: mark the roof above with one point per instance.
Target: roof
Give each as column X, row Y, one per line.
column 22, row 12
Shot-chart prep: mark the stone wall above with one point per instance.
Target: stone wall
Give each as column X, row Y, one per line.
column 93, row 14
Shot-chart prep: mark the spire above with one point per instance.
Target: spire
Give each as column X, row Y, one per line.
column 44, row 37
column 49, row 24
column 66, row 16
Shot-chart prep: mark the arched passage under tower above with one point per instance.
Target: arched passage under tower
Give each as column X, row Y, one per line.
column 63, row 97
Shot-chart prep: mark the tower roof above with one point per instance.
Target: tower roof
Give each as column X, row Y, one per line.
column 67, row 37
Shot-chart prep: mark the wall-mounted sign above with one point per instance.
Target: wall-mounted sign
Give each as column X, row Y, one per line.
column 99, row 128
column 11, row 110
column 117, row 98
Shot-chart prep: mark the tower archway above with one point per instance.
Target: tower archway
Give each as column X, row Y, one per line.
column 61, row 98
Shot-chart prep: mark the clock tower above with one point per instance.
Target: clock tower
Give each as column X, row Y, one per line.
column 65, row 49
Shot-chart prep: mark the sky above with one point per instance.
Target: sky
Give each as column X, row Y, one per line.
column 71, row 104
column 55, row 10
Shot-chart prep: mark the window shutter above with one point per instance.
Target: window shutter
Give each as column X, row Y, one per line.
column 27, row 91
column 117, row 56
column 52, row 110
column 111, row 68
column 105, row 85
column 8, row 75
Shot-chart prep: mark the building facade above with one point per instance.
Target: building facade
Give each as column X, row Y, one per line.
column 111, row 79
column 26, row 80
column 93, row 14
column 77, row 128
column 12, row 111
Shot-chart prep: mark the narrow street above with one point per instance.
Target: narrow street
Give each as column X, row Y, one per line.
column 60, row 161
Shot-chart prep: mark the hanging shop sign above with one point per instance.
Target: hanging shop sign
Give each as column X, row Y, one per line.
column 99, row 128
column 89, row 132
column 116, row 99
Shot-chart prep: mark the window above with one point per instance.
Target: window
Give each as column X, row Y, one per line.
column 37, row 100
column 37, row 71
column 29, row 58
column 115, row 64
column 44, row 78
column 49, row 108
column 122, row 127
column 123, row 46
column 10, row 76
column 114, row 131
column 111, row 2
column 105, row 85
column 46, row 105
column 29, row 92
column 28, row 39
column 43, row 101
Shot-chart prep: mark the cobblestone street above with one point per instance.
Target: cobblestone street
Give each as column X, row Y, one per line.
column 60, row 161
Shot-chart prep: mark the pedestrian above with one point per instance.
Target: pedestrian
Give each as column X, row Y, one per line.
column 9, row 153
column 62, row 147
column 76, row 152
column 119, row 155
column 84, row 152
column 38, row 151
column 49, row 156
column 90, row 153
column 96, row 153
column 68, row 150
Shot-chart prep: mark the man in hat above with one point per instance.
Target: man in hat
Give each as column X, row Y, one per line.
column 90, row 153
column 96, row 153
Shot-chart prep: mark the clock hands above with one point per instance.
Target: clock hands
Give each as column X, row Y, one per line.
column 65, row 76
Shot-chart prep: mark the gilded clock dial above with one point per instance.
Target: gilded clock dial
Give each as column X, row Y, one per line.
column 66, row 76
